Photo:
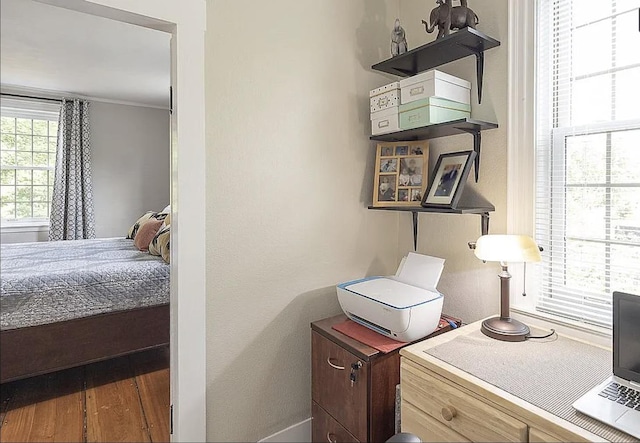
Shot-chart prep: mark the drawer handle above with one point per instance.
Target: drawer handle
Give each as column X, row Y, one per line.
column 331, row 438
column 341, row 368
column 448, row 412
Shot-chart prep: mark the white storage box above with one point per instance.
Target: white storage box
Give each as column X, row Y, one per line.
column 435, row 84
column 385, row 121
column 384, row 97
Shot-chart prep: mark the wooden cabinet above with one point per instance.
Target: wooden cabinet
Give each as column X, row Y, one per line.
column 441, row 402
column 538, row 436
column 327, row 429
column 429, row 429
column 353, row 386
column 332, row 366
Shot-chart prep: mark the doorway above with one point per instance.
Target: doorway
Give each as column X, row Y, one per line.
column 186, row 22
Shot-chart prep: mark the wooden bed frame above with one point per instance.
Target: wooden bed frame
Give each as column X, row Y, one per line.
column 35, row 350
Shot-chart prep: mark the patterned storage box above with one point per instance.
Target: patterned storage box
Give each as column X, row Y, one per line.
column 384, row 97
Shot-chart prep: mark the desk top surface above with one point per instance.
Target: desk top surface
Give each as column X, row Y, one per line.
column 542, row 377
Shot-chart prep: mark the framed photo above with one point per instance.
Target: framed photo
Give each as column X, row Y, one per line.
column 448, row 180
column 401, row 173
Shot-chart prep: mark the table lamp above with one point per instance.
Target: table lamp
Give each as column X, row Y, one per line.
column 506, row 249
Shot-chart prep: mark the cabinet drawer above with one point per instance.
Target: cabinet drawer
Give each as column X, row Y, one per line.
column 427, row 428
column 456, row 409
column 538, row 436
column 332, row 388
column 326, row 429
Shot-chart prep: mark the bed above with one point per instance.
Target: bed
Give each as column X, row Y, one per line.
column 70, row 303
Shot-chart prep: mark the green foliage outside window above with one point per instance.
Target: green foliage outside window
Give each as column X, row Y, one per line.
column 27, row 161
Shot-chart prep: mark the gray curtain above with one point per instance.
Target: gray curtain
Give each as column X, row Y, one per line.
column 72, row 215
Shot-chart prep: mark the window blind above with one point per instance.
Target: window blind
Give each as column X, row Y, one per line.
column 587, row 155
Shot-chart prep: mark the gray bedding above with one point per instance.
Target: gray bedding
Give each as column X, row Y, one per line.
column 48, row 282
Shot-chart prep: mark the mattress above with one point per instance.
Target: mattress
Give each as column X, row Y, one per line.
column 47, row 282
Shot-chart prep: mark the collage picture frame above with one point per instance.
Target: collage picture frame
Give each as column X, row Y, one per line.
column 401, row 173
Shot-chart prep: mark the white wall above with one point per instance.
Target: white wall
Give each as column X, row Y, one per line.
column 24, row 234
column 130, row 164
column 471, row 288
column 289, row 178
column 296, row 96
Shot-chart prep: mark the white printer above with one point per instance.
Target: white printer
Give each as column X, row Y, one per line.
column 404, row 307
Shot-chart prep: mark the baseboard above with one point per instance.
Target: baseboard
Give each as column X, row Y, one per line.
column 300, row 433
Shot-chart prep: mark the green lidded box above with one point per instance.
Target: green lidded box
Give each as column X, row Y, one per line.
column 428, row 111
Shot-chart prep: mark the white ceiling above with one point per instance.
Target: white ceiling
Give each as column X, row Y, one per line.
column 44, row 47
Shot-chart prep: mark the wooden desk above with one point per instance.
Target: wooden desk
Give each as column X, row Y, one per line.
column 441, row 402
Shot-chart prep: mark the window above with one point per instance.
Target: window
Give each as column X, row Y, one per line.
column 28, row 134
column 587, row 196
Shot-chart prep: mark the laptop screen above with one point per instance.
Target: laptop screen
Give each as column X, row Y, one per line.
column 626, row 336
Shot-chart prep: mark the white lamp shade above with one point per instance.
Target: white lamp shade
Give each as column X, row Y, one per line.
column 507, row 248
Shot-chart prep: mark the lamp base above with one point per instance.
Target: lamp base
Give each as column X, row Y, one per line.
column 505, row 329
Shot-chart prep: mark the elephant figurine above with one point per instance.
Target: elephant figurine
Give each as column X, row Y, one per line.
column 450, row 18
column 462, row 16
column 440, row 16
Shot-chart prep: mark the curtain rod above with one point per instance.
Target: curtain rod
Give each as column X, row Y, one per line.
column 91, row 99
column 32, row 97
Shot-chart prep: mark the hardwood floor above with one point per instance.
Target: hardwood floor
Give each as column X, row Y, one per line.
column 121, row 400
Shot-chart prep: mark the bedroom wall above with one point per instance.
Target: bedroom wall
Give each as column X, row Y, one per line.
column 130, row 164
column 289, row 177
column 130, row 169
column 471, row 288
column 25, row 234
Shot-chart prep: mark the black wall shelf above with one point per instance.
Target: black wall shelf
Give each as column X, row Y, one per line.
column 457, row 45
column 483, row 212
column 461, row 126
column 470, row 203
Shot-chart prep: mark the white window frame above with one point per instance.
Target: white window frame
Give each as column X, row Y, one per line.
column 521, row 148
column 521, row 138
column 37, row 110
column 559, row 138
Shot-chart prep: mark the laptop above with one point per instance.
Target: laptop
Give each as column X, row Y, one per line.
column 616, row 401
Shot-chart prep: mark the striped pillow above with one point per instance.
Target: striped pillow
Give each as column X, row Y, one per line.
column 160, row 245
column 133, row 230
column 146, row 233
